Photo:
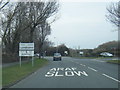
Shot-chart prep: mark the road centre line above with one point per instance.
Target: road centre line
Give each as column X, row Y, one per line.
column 78, row 63
column 111, row 77
column 92, row 69
column 97, row 71
column 85, row 65
column 82, row 65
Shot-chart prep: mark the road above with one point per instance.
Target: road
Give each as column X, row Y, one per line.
column 73, row 73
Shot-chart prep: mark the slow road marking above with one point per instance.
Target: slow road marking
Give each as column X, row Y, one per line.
column 60, row 72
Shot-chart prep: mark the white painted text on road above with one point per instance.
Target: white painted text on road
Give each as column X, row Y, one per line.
column 59, row 72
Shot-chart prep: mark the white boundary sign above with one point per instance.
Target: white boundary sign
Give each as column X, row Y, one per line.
column 26, row 49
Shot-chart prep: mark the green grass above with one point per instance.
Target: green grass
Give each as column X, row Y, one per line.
column 114, row 61
column 94, row 57
column 87, row 57
column 14, row 73
column 0, row 77
column 104, row 57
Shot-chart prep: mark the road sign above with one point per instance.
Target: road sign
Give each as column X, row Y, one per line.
column 26, row 49
column 26, row 53
column 81, row 53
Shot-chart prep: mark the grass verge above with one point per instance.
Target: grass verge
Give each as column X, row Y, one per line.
column 114, row 61
column 105, row 57
column 98, row 58
column 12, row 74
column 0, row 78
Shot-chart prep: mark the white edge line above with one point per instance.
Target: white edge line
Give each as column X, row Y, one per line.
column 111, row 78
column 92, row 69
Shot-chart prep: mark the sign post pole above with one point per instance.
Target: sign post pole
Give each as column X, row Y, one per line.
column 32, row 62
column 20, row 61
column 26, row 50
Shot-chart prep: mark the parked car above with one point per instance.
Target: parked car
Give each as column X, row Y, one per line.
column 57, row 56
column 37, row 54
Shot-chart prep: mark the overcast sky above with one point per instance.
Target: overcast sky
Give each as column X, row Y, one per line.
column 83, row 24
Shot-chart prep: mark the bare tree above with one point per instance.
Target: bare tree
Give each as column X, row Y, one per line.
column 40, row 36
column 39, row 12
column 7, row 28
column 114, row 14
column 22, row 21
column 3, row 4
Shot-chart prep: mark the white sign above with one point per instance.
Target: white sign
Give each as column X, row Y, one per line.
column 66, row 52
column 26, row 53
column 59, row 72
column 26, row 49
column 81, row 52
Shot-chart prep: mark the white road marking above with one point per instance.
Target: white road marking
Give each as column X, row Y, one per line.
column 111, row 78
column 56, row 74
column 92, row 69
column 97, row 70
column 69, row 73
column 65, row 72
column 82, row 65
column 79, row 73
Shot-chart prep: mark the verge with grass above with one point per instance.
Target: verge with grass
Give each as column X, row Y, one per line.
column 12, row 74
column 114, row 61
column 104, row 57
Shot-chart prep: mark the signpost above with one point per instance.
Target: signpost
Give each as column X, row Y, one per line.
column 27, row 50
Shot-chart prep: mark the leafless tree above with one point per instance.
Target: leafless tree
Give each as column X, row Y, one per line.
column 40, row 12
column 3, row 4
column 114, row 14
column 21, row 21
column 40, row 36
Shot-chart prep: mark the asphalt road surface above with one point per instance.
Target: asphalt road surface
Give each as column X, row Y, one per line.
column 73, row 73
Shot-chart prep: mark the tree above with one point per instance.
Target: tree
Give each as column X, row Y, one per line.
column 20, row 23
column 26, row 22
column 40, row 36
column 8, row 29
column 114, row 14
column 39, row 12
column 87, row 52
column 111, row 47
column 3, row 4
column 62, row 48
